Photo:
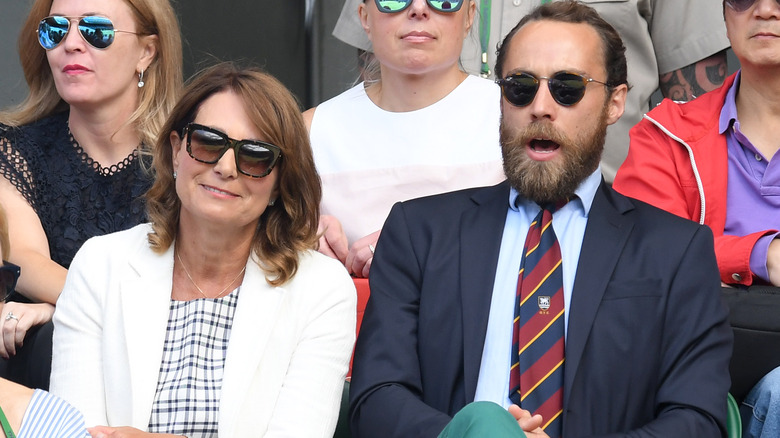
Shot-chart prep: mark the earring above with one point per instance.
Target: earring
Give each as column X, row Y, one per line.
column 174, row 174
column 141, row 79
column 271, row 202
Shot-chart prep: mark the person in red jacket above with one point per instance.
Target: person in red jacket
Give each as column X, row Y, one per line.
column 711, row 161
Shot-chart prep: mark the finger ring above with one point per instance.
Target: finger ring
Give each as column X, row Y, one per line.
column 10, row 315
column 371, row 248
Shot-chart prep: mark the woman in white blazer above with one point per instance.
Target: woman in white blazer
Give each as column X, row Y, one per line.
column 218, row 318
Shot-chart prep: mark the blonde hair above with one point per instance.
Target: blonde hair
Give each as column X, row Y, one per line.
column 163, row 78
column 290, row 225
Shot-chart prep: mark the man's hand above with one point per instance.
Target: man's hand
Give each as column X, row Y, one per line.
column 333, row 241
column 773, row 262
column 531, row 424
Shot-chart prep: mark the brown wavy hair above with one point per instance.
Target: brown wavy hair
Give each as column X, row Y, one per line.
column 163, row 78
column 290, row 225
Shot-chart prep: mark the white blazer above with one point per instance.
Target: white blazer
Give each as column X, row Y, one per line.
column 287, row 355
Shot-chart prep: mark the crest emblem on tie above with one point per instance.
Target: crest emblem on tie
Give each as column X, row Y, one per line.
column 544, row 303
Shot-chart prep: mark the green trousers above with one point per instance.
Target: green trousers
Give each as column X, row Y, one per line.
column 480, row 420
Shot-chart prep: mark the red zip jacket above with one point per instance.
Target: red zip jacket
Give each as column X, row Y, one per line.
column 678, row 161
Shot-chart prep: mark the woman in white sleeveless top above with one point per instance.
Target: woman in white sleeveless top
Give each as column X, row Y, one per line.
column 423, row 127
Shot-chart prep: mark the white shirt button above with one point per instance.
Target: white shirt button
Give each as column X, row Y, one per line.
column 758, row 157
column 517, row 2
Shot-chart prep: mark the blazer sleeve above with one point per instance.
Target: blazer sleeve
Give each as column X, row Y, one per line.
column 386, row 392
column 310, row 396
column 695, row 349
column 78, row 331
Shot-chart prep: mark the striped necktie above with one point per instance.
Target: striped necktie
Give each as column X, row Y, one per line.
column 536, row 375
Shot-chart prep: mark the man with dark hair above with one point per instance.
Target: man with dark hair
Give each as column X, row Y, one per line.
column 550, row 298
column 715, row 161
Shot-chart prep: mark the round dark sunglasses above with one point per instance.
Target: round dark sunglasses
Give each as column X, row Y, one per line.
column 742, row 5
column 97, row 31
column 254, row 158
column 9, row 274
column 566, row 88
column 391, row 6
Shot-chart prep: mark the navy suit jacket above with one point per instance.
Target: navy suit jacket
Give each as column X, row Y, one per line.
column 648, row 341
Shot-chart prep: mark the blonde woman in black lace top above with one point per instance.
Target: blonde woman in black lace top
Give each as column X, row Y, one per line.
column 102, row 75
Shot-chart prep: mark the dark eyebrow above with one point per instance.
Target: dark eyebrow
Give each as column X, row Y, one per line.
column 518, row 71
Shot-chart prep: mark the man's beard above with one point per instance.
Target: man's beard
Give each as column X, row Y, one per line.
column 551, row 181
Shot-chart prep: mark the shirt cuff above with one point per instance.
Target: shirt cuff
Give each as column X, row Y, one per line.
column 759, row 255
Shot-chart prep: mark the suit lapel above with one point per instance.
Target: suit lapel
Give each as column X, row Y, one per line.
column 253, row 323
column 481, row 229
column 606, row 233
column 145, row 309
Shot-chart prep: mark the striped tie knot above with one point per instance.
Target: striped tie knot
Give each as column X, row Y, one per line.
column 552, row 207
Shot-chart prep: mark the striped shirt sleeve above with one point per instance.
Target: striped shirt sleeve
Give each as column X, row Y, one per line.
column 50, row 416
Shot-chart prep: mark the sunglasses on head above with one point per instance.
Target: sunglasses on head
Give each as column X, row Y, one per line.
column 254, row 158
column 391, row 6
column 566, row 88
column 9, row 273
column 97, row 31
column 742, row 5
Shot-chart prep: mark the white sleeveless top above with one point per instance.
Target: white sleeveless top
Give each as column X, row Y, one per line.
column 369, row 158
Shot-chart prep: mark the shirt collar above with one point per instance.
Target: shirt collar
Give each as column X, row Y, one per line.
column 728, row 113
column 585, row 194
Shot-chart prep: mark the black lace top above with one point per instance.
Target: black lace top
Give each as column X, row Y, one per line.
column 75, row 197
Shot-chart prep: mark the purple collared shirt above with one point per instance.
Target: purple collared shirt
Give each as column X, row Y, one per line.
column 753, row 193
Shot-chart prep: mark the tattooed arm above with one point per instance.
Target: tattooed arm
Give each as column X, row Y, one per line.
column 696, row 79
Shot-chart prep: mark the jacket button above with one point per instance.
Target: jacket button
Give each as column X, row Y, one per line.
column 736, row 277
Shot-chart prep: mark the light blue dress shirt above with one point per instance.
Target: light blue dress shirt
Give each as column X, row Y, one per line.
column 569, row 224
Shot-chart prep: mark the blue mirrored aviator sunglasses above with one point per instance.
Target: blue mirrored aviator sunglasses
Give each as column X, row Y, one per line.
column 391, row 6
column 742, row 5
column 97, row 31
column 9, row 274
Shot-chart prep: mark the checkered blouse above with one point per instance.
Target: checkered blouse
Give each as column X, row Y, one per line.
column 190, row 382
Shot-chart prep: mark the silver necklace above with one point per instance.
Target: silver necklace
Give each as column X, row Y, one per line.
column 198, row 287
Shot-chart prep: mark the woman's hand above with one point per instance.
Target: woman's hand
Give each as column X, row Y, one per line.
column 23, row 316
column 361, row 255
column 123, row 432
column 333, row 241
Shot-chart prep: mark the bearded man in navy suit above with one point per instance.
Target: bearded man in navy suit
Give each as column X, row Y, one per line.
column 647, row 341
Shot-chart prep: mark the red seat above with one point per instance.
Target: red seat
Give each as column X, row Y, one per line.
column 363, row 292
